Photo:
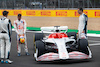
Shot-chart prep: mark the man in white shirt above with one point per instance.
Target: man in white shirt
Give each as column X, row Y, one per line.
column 5, row 38
column 20, row 27
column 82, row 28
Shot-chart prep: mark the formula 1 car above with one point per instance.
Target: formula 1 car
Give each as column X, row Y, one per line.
column 60, row 45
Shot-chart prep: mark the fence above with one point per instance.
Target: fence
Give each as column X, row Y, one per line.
column 48, row 4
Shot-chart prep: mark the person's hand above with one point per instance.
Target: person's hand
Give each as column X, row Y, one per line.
column 82, row 31
column 77, row 32
column 20, row 34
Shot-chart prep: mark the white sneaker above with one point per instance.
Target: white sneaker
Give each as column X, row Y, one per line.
column 8, row 61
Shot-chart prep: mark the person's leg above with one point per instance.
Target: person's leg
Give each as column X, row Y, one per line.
column 2, row 50
column 10, row 48
column 18, row 46
column 2, row 45
column 7, row 46
column 25, row 46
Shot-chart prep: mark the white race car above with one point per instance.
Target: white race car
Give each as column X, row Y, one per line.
column 60, row 45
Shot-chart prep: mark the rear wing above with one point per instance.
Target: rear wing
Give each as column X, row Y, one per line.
column 54, row 28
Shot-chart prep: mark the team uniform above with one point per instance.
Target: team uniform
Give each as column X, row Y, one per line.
column 82, row 25
column 20, row 27
column 5, row 37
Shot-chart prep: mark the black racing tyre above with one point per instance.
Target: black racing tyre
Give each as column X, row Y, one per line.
column 38, row 36
column 40, row 46
column 72, row 34
column 83, row 44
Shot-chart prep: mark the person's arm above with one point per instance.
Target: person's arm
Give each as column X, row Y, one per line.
column 85, row 23
column 10, row 28
column 82, row 25
column 15, row 27
column 24, row 26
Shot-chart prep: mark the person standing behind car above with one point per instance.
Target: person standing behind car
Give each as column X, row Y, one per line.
column 20, row 27
column 83, row 19
column 5, row 38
